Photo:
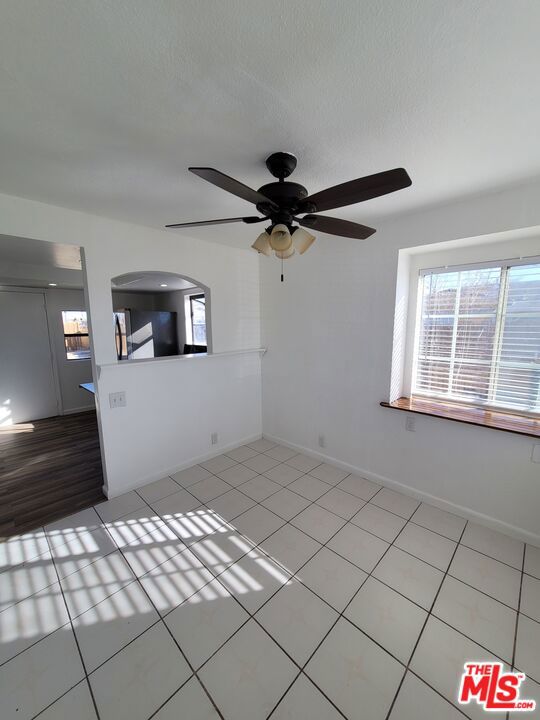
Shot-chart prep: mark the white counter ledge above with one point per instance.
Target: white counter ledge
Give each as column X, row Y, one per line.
column 180, row 358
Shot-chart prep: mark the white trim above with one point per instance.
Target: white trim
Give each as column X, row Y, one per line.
column 187, row 464
column 410, row 381
column 54, row 360
column 511, row 262
column 446, row 505
column 82, row 408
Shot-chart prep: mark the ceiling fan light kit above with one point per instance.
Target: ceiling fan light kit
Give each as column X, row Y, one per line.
column 280, row 238
column 285, row 254
column 302, row 240
column 262, row 244
column 283, row 201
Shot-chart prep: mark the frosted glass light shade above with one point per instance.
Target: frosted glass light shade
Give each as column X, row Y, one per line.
column 302, row 240
column 262, row 244
column 281, row 239
column 285, row 254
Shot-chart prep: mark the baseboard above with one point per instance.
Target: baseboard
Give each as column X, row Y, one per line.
column 84, row 408
column 441, row 503
column 195, row 460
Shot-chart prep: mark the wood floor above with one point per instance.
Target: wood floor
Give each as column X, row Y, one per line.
column 48, row 468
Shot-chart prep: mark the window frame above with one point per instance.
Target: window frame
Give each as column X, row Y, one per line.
column 494, row 364
column 197, row 296
column 79, row 334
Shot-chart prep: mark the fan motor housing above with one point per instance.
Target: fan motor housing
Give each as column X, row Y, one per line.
column 286, row 195
column 281, row 164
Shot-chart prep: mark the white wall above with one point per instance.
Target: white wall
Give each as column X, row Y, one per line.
column 157, row 435
column 113, row 248
column 329, row 331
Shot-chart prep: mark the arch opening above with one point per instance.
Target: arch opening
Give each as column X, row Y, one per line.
column 160, row 314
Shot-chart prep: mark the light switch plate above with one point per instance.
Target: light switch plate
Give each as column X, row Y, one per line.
column 117, row 399
column 535, row 455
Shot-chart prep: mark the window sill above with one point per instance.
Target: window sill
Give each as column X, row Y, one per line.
column 519, row 424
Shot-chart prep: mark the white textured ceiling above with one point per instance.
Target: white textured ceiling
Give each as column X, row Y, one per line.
column 105, row 104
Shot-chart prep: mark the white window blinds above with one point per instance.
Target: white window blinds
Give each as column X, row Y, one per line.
column 478, row 339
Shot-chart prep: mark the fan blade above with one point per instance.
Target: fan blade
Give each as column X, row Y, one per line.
column 248, row 220
column 335, row 226
column 356, row 191
column 230, row 185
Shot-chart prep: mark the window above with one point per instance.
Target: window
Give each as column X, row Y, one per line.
column 197, row 306
column 76, row 340
column 478, row 335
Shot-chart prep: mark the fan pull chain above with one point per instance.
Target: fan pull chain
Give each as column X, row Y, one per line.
column 282, row 269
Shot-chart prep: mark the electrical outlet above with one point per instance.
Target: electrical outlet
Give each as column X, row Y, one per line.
column 117, row 399
column 214, row 438
column 410, row 424
column 322, row 441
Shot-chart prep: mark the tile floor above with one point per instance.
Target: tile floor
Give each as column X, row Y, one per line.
column 262, row 583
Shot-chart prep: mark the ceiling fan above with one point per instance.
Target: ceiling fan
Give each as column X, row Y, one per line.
column 283, row 201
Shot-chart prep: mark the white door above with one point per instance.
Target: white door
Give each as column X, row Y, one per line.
column 27, row 389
